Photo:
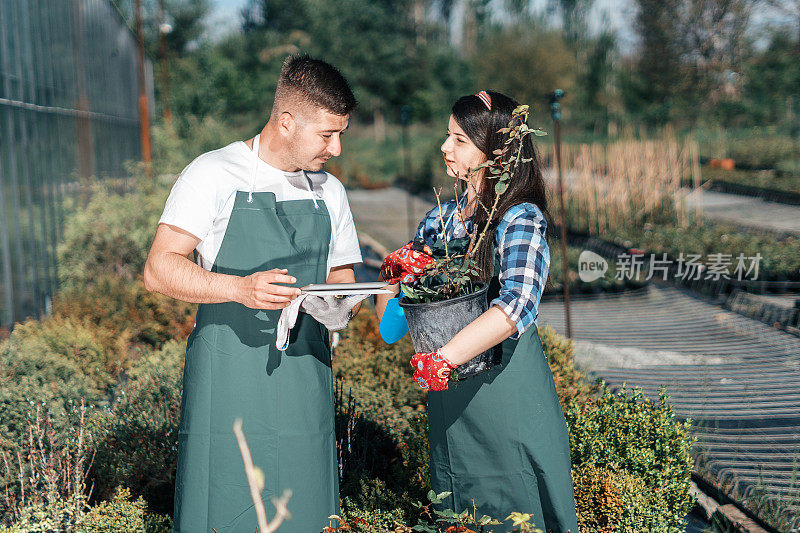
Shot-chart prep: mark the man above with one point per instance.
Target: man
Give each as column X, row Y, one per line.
column 264, row 220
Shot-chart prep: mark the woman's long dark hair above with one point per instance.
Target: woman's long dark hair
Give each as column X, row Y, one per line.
column 526, row 185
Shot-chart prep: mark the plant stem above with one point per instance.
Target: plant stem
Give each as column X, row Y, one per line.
column 471, row 251
column 441, row 220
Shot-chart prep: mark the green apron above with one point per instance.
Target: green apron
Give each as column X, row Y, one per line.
column 499, row 439
column 233, row 370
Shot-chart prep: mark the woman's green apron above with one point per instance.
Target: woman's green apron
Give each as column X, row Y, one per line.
column 233, row 370
column 499, row 440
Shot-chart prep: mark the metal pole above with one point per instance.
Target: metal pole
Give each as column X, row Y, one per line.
column 84, row 126
column 144, row 116
column 163, row 30
column 51, row 132
column 555, row 108
column 13, row 174
column 33, row 165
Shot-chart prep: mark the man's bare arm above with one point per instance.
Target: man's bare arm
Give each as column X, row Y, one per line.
column 169, row 272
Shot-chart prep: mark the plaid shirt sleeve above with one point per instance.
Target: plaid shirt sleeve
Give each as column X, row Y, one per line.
column 524, row 264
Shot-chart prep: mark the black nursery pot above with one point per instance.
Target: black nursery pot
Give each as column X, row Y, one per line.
column 433, row 324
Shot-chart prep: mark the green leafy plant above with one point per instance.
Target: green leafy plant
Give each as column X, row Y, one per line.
column 137, row 438
column 626, row 432
column 454, row 270
column 431, row 519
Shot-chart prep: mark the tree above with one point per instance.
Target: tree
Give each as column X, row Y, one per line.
column 574, row 19
column 715, row 45
column 374, row 43
column 658, row 71
column 186, row 19
column 525, row 63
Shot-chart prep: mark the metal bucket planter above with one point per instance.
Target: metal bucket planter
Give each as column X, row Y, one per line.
column 434, row 324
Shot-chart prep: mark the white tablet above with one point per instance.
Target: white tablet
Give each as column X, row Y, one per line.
column 345, row 289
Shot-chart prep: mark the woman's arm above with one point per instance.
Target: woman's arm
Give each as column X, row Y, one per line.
column 382, row 299
column 524, row 265
column 489, row 329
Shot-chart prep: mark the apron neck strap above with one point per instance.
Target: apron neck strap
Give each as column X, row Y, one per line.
column 257, row 162
column 256, row 144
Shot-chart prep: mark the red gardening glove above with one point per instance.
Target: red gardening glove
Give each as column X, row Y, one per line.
column 432, row 370
column 407, row 263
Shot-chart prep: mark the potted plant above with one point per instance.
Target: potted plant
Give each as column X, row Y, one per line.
column 448, row 295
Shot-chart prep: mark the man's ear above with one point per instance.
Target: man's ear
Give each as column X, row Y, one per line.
column 286, row 124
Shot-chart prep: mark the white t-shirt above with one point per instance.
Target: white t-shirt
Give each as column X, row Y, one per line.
column 201, row 201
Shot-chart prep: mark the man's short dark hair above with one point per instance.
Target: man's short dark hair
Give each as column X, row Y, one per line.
column 315, row 82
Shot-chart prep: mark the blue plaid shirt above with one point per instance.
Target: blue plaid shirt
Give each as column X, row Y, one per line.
column 524, row 255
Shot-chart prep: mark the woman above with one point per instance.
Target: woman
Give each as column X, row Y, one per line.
column 498, row 440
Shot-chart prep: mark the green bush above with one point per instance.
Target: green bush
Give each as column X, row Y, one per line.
column 790, row 168
column 138, row 443
column 108, row 233
column 613, row 501
column 54, row 364
column 178, row 144
column 126, row 308
column 572, row 385
column 44, row 478
column 416, row 453
column 761, row 152
column 378, row 375
column 380, row 418
column 626, row 433
column 785, row 177
column 371, row 521
column 780, row 256
column 123, row 514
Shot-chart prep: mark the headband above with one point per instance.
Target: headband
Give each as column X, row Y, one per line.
column 486, row 99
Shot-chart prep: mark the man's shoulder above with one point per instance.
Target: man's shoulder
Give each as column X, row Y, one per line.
column 211, row 168
column 217, row 159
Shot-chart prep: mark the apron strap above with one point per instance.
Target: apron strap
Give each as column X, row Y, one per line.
column 311, row 189
column 256, row 144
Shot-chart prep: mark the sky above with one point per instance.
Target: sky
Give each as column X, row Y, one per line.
column 617, row 13
column 225, row 17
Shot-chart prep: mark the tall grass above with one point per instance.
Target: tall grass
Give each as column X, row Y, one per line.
column 623, row 183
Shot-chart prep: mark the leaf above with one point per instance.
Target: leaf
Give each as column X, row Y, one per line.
column 409, row 292
column 432, row 496
column 519, row 518
column 539, row 133
column 443, row 495
column 519, row 109
column 261, row 479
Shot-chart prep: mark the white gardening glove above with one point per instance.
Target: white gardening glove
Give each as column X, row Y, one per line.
column 332, row 312
column 287, row 321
